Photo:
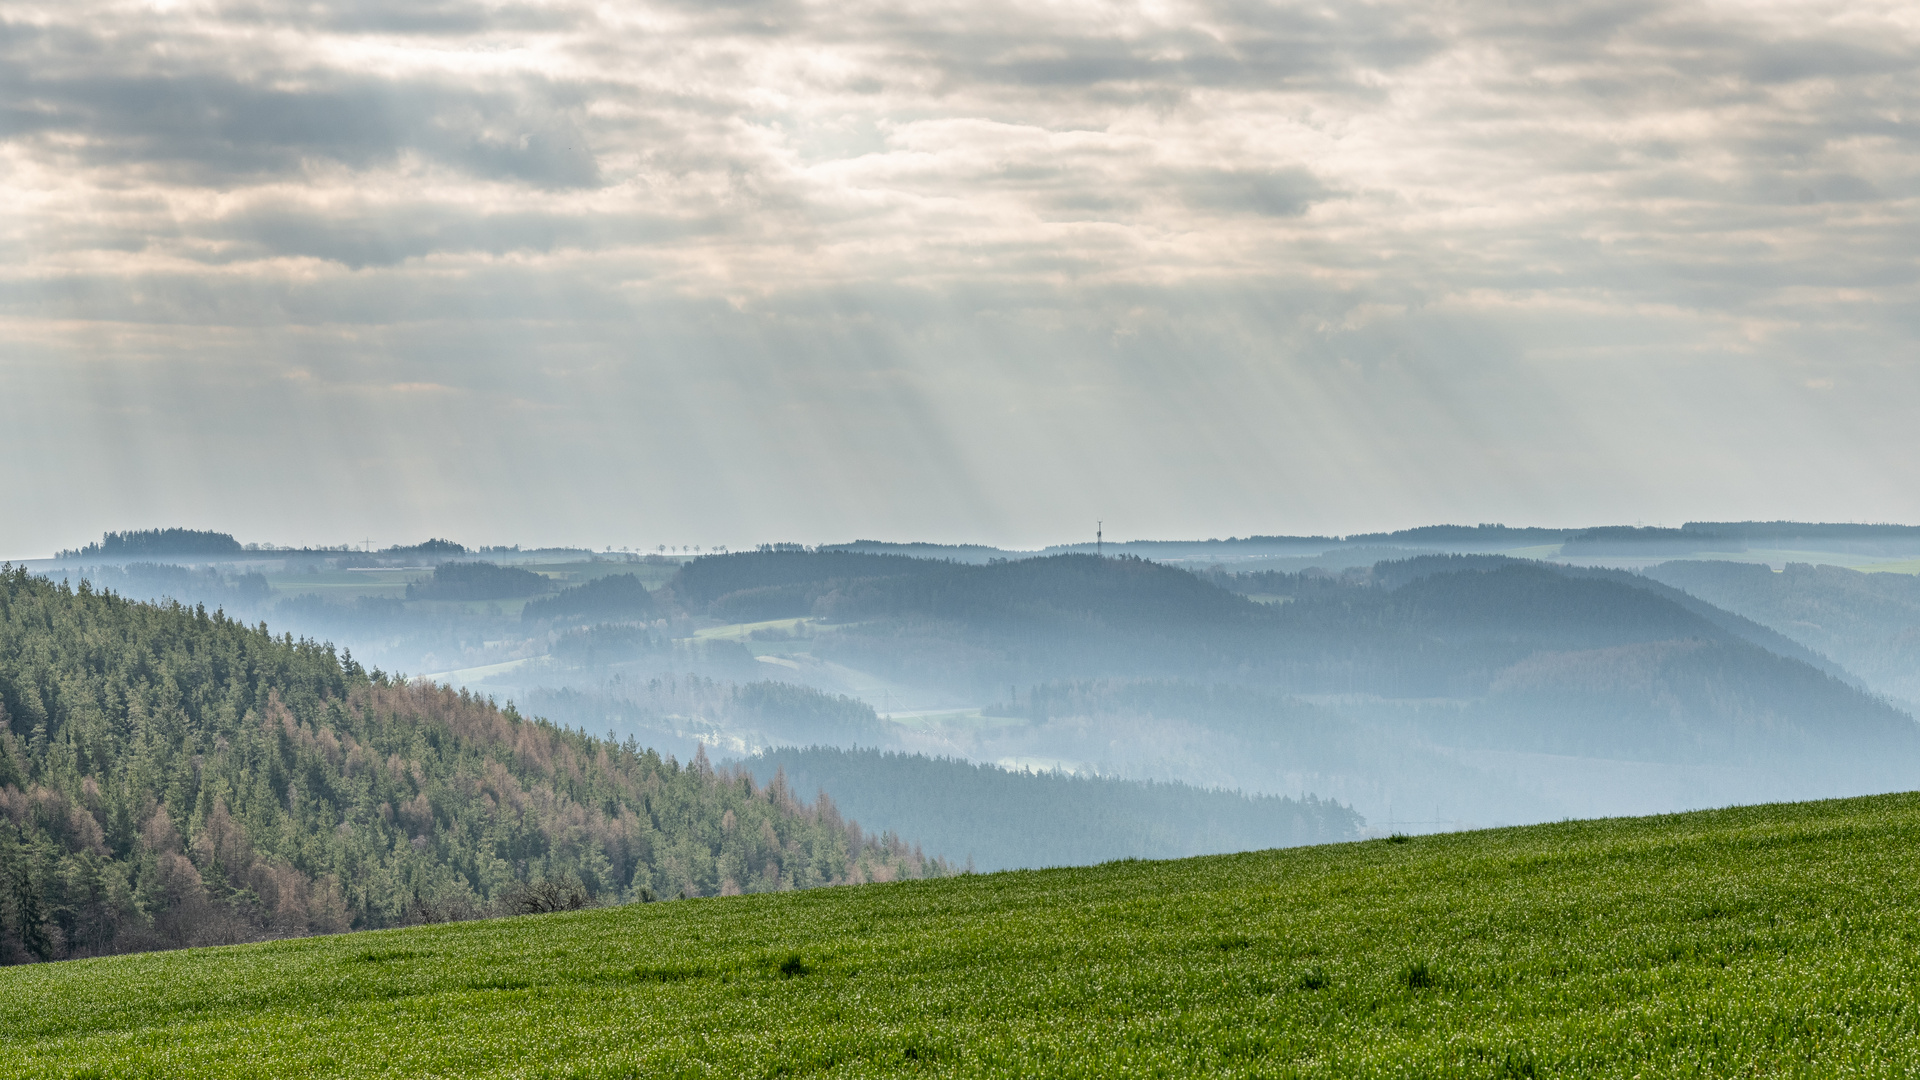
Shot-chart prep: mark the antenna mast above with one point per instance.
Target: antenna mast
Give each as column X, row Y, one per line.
column 1097, row 549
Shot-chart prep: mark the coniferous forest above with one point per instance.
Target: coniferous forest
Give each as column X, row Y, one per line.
column 173, row 777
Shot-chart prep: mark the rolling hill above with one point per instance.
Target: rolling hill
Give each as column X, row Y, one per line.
column 1870, row 623
column 1536, row 658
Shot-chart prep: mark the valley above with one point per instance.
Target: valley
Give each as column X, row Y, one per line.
column 1430, row 680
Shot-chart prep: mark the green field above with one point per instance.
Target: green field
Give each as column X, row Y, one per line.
column 391, row 582
column 1768, row 941
column 346, row 585
column 1904, row 566
column 744, row 631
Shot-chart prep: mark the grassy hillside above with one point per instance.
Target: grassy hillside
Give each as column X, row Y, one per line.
column 1774, row 941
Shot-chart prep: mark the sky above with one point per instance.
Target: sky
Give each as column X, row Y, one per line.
column 639, row 273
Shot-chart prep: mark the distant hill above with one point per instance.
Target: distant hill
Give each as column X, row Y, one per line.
column 993, row 818
column 1537, row 658
column 1080, row 592
column 1602, row 540
column 1868, row 623
column 1394, row 574
column 1578, row 662
column 1468, row 537
column 1235, row 548
column 235, row 593
column 479, row 581
column 967, row 553
column 752, row 586
column 1635, row 541
column 1070, row 592
column 1866, row 539
column 682, row 711
column 1078, row 616
column 616, row 596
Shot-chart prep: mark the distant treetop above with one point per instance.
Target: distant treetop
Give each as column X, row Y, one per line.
column 1484, row 533
column 1804, row 530
column 478, row 581
column 138, row 543
column 430, row 548
column 616, row 596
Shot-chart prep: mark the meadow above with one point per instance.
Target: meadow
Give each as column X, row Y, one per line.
column 1764, row 941
column 391, row 582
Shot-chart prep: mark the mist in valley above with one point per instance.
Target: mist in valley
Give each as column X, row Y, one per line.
column 1216, row 695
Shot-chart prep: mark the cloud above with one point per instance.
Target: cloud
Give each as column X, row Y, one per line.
column 387, row 234
column 204, row 128
column 1279, row 258
column 1277, row 193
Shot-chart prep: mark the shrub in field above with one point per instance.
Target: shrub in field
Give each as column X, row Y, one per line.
column 544, row 896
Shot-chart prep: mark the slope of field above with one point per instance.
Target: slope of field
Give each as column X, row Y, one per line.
column 1768, row 941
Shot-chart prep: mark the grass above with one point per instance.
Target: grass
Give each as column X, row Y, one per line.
column 744, row 631
column 1869, row 564
column 952, row 718
column 1767, row 941
column 389, row 583
column 338, row 585
column 652, row 575
column 475, row 674
column 1904, row 566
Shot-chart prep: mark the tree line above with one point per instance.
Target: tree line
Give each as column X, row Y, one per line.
column 139, row 543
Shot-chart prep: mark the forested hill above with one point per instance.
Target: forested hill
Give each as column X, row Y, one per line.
column 1426, row 627
column 1868, row 622
column 1068, row 592
column 1532, row 657
column 752, row 585
column 172, row 777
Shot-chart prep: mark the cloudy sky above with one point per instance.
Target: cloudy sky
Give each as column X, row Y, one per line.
column 652, row 272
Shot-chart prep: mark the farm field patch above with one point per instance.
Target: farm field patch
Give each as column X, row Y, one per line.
column 1905, row 566
column 745, row 631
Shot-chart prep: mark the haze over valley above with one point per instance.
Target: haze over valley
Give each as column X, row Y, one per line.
column 784, row 538
column 1182, row 697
